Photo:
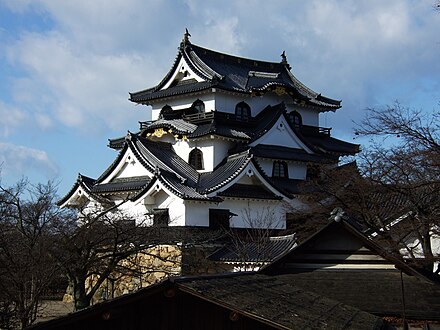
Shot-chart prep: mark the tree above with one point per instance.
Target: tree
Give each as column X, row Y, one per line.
column 97, row 244
column 26, row 269
column 393, row 192
column 407, row 164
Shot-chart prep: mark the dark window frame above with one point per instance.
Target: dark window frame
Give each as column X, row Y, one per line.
column 195, row 159
column 242, row 111
column 199, row 106
column 280, row 169
column 295, row 119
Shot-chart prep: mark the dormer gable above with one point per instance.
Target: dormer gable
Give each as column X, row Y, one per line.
column 281, row 134
column 182, row 74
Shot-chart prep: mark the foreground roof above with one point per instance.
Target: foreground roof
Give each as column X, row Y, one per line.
column 250, row 301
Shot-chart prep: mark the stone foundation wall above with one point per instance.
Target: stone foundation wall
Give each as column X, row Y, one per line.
column 153, row 265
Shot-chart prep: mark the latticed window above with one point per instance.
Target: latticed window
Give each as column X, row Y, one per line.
column 295, row 119
column 199, row 106
column 196, row 159
column 242, row 111
column 280, row 169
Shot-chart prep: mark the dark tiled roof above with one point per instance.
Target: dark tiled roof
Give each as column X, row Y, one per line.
column 248, row 191
column 122, row 184
column 81, row 180
column 161, row 155
column 150, row 94
column 232, row 73
column 285, row 153
column 178, row 188
column 374, row 291
column 291, row 186
column 329, row 144
column 219, row 129
column 264, row 251
column 117, row 143
column 281, row 303
column 223, row 173
column 179, row 126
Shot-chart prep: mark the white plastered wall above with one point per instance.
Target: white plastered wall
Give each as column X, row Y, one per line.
column 197, row 213
column 256, row 213
column 309, row 115
column 214, row 151
column 226, row 102
column 184, row 102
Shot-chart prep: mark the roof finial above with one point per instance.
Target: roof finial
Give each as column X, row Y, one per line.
column 284, row 59
column 186, row 35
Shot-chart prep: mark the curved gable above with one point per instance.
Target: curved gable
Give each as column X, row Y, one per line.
column 281, row 134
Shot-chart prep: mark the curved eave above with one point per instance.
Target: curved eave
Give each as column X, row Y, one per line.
column 170, row 189
column 135, row 95
column 114, row 164
column 78, row 183
column 231, row 180
column 198, row 65
column 148, row 96
column 185, row 128
column 82, row 187
column 315, row 97
column 221, row 183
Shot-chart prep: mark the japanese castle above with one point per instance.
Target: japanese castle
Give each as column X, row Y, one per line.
column 230, row 142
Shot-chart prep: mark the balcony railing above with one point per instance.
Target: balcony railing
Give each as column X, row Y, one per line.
column 314, row 130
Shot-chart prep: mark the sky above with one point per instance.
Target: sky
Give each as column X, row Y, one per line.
column 66, row 67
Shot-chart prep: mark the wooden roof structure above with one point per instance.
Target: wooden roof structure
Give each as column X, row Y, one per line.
column 238, row 301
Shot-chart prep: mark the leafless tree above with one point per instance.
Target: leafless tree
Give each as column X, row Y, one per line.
column 26, row 269
column 393, row 191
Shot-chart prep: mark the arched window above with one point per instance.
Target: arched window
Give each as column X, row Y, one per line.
column 165, row 110
column 242, row 111
column 196, row 159
column 199, row 106
column 280, row 169
column 295, row 119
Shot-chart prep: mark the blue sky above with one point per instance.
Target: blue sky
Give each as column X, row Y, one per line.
column 66, row 67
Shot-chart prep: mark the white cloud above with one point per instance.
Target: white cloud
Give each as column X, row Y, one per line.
column 17, row 160
column 86, row 90
column 11, row 118
column 79, row 73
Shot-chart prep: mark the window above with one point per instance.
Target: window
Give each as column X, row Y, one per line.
column 219, row 219
column 280, row 169
column 295, row 119
column 160, row 217
column 196, row 159
column 199, row 106
column 242, row 111
column 165, row 110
